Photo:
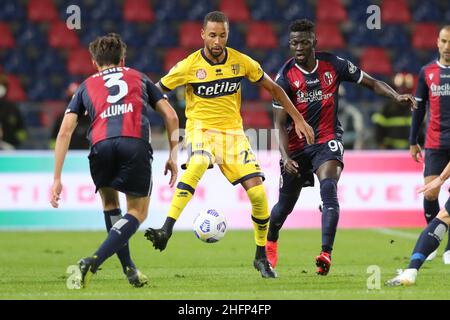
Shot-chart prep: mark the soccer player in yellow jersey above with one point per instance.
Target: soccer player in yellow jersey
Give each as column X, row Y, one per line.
column 214, row 131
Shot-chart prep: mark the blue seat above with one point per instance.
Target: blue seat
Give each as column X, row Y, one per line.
column 169, row 11
column 352, row 92
column 360, row 36
column 250, row 91
column 236, row 39
column 105, row 9
column 357, row 11
column 273, row 61
column 30, row 34
column 40, row 89
column 50, row 62
column 198, row 9
column 297, row 10
column 265, row 10
column 17, row 61
column 406, row 60
column 394, row 36
column 130, row 34
column 11, row 10
column 147, row 61
column 162, row 36
column 427, row 12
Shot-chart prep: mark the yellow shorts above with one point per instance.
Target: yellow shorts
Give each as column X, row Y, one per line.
column 231, row 152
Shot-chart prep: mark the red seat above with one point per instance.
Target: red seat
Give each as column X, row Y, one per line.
column 79, row 62
column 15, row 90
column 330, row 11
column 425, row 35
column 173, row 56
column 42, row 11
column 255, row 115
column 395, row 11
column 376, row 61
column 329, row 36
column 260, row 35
column 235, row 10
column 138, row 11
column 59, row 36
column 189, row 35
column 6, row 37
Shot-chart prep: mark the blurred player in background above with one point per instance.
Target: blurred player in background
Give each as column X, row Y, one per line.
column 433, row 95
column 117, row 100
column 311, row 81
column 212, row 76
column 430, row 238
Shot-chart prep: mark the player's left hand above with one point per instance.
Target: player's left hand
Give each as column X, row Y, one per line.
column 172, row 167
column 435, row 183
column 407, row 100
column 56, row 192
column 302, row 128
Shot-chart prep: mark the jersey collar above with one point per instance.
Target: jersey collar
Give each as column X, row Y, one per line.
column 306, row 72
column 441, row 65
column 212, row 62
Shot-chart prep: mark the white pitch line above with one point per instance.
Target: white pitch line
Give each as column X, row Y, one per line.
column 398, row 233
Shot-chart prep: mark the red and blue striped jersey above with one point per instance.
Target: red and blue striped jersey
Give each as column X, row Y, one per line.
column 118, row 102
column 433, row 95
column 315, row 95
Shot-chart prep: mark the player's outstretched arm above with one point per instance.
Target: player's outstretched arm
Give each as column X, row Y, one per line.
column 439, row 181
column 62, row 145
column 383, row 89
column 170, row 117
column 301, row 127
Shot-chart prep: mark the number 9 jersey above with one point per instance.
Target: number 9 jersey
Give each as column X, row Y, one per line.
column 117, row 101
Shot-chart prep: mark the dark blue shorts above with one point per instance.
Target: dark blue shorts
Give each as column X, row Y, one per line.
column 124, row 164
column 435, row 161
column 309, row 160
column 447, row 205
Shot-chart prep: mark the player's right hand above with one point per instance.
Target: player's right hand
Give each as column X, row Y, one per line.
column 416, row 153
column 304, row 129
column 290, row 166
column 433, row 184
column 172, row 167
column 56, row 192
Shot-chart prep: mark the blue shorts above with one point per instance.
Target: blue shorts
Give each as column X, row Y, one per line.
column 309, row 160
column 435, row 161
column 124, row 164
column 447, row 205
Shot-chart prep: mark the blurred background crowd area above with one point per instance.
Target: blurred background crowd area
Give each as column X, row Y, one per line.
column 41, row 60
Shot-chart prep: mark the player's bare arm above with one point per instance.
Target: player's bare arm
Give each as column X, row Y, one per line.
column 416, row 153
column 280, row 117
column 438, row 182
column 62, row 145
column 301, row 127
column 170, row 117
column 383, row 89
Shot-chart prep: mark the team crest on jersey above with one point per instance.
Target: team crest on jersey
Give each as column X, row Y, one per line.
column 431, row 75
column 235, row 68
column 328, row 78
column 351, row 67
column 201, row 74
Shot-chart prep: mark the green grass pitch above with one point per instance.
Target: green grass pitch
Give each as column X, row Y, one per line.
column 33, row 266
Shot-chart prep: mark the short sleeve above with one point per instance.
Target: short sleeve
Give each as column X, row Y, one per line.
column 176, row 77
column 422, row 88
column 281, row 80
column 76, row 103
column 348, row 71
column 154, row 95
column 253, row 70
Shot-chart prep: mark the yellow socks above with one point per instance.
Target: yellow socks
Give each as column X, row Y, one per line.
column 260, row 213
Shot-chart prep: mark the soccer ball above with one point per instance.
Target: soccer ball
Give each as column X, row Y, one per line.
column 210, row 226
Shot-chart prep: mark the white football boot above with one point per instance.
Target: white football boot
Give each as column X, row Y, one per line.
column 406, row 277
column 431, row 256
column 446, row 257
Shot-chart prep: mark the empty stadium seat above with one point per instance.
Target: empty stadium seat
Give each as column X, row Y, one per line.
column 198, row 9
column 424, row 36
column 376, row 61
column 406, row 60
column 395, row 11
column 266, row 10
column 329, row 36
column 255, row 115
column 6, row 37
column 79, row 62
column 11, row 10
column 296, row 9
column 42, row 11
column 393, row 36
column 59, row 36
column 138, row 11
column 172, row 56
column 30, row 35
column 17, row 62
column 361, row 36
column 15, row 92
column 260, row 35
column 427, row 11
column 162, row 36
column 169, row 11
column 330, row 11
column 235, row 10
column 189, row 34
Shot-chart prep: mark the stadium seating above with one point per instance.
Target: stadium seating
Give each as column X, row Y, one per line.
column 174, row 55
column 255, row 115
column 79, row 62
column 138, row 11
column 15, row 91
column 42, row 11
column 427, row 12
column 61, row 37
column 260, row 35
column 198, row 9
column 329, row 36
column 395, row 11
column 376, row 61
column 189, row 34
column 330, row 11
column 424, row 36
column 11, row 10
column 266, row 10
column 6, row 37
column 236, row 10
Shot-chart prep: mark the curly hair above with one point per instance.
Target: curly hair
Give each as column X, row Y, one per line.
column 302, row 25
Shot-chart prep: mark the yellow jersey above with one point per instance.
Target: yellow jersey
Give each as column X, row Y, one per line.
column 213, row 90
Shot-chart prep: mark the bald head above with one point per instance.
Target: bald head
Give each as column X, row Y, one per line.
column 443, row 43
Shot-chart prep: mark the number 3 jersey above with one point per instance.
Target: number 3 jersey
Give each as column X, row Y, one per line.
column 118, row 101
column 315, row 95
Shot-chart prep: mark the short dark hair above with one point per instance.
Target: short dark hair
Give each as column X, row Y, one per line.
column 302, row 25
column 108, row 50
column 215, row 16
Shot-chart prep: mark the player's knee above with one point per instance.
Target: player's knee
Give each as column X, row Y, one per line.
column 431, row 195
column 328, row 193
column 285, row 204
column 198, row 164
column 258, row 199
